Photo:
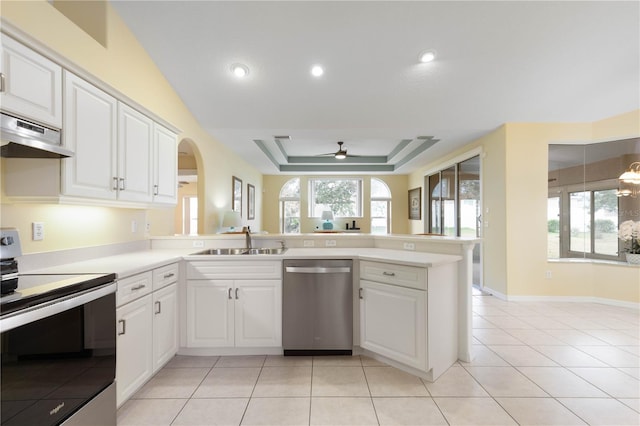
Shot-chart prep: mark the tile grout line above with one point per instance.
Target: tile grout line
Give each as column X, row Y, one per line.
column 364, row 373
column 252, row 390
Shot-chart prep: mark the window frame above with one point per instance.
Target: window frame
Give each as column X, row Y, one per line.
column 565, row 223
column 281, row 205
column 379, row 199
column 311, row 196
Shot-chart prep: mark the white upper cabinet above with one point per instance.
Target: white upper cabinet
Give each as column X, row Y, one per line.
column 165, row 164
column 31, row 85
column 90, row 130
column 134, row 155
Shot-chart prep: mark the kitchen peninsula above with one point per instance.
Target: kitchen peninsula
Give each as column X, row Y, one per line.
column 439, row 267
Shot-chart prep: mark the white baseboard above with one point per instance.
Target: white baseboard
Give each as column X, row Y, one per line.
column 574, row 299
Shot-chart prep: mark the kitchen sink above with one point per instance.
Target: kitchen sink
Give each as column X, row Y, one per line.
column 232, row 251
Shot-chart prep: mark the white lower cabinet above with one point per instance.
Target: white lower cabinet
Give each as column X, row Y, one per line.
column 409, row 314
column 165, row 325
column 393, row 322
column 241, row 312
column 227, row 313
column 147, row 330
column 134, row 353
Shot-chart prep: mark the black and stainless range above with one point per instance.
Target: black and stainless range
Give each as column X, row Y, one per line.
column 58, row 345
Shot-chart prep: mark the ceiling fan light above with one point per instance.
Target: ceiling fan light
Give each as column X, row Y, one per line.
column 427, row 56
column 317, row 71
column 240, row 70
column 341, row 155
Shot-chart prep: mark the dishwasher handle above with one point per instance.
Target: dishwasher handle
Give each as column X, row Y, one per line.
column 318, row 269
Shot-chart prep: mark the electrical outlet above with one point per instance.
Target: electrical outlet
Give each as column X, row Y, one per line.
column 37, row 231
column 134, row 226
column 147, row 227
column 198, row 243
column 409, row 246
column 548, row 275
column 308, row 243
column 330, row 243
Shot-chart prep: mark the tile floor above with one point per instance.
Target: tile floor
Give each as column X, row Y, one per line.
column 535, row 363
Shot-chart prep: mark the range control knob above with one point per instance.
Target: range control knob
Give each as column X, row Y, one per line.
column 6, row 241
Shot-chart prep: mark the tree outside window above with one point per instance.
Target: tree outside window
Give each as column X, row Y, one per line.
column 341, row 196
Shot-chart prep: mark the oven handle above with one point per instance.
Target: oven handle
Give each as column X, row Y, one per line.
column 54, row 307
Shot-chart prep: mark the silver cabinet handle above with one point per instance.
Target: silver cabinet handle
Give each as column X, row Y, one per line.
column 230, row 293
column 159, row 306
column 389, row 274
column 115, row 184
column 155, row 189
column 124, row 327
column 168, row 275
column 236, row 294
column 2, row 83
column 360, row 293
column 138, row 287
column 121, row 188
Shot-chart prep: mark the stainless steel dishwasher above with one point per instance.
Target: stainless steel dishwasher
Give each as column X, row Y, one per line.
column 317, row 307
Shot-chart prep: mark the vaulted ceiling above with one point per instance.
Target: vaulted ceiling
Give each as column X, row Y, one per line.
column 496, row 62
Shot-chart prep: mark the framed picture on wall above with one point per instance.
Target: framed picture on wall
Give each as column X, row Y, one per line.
column 415, row 203
column 251, row 201
column 236, row 202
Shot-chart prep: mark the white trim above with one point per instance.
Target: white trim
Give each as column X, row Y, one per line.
column 495, row 293
column 570, row 299
column 457, row 159
column 575, row 299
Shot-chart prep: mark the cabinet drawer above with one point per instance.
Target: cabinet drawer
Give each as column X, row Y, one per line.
column 164, row 276
column 133, row 287
column 234, row 269
column 406, row 276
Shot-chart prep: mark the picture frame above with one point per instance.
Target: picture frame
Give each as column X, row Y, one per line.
column 251, row 201
column 236, row 194
column 415, row 203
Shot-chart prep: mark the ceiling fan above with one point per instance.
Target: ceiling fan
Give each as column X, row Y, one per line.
column 341, row 153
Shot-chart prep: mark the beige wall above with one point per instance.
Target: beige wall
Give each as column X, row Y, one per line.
column 126, row 67
column 399, row 205
column 514, row 189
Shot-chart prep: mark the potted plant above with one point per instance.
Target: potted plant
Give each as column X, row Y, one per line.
column 629, row 232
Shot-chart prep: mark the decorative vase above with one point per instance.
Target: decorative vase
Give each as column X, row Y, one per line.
column 633, row 258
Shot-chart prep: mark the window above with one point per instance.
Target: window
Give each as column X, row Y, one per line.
column 342, row 196
column 380, row 207
column 593, row 220
column 290, row 207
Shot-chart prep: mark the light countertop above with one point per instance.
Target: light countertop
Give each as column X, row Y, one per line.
column 140, row 261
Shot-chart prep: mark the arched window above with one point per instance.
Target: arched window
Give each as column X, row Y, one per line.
column 290, row 207
column 380, row 207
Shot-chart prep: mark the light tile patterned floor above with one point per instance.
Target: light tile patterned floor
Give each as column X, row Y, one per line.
column 535, row 363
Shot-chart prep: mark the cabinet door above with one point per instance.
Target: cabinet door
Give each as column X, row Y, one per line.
column 209, row 313
column 165, row 325
column 90, row 128
column 134, row 155
column 32, row 86
column 393, row 322
column 258, row 313
column 165, row 164
column 134, row 353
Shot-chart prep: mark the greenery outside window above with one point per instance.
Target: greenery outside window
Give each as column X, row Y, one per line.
column 290, row 207
column 343, row 196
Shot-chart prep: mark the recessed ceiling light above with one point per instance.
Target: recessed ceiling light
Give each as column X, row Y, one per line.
column 240, row 70
column 317, row 71
column 427, row 56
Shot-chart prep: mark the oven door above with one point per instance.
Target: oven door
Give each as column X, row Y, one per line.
column 57, row 357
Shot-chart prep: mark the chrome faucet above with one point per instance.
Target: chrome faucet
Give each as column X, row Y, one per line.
column 247, row 237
